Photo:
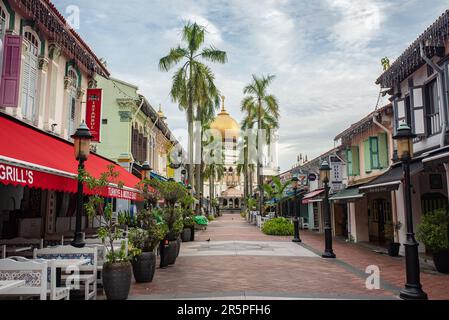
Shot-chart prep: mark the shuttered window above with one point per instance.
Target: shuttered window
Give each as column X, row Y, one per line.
column 9, row 85
column 3, row 22
column 352, row 161
column 367, row 155
column 374, row 153
column 433, row 117
column 72, row 101
column 29, row 77
column 383, row 150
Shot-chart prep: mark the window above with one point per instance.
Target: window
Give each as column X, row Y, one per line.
column 353, row 161
column 374, row 151
column 432, row 108
column 29, row 77
column 72, row 100
column 408, row 111
column 3, row 27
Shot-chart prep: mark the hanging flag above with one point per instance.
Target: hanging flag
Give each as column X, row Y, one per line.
column 93, row 112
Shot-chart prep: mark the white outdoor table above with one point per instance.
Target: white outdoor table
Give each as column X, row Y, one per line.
column 10, row 284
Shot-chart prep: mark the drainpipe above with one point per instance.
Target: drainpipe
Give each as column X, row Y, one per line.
column 443, row 92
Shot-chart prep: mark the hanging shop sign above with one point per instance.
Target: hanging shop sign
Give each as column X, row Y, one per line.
column 93, row 112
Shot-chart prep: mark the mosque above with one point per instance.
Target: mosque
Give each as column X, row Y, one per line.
column 230, row 189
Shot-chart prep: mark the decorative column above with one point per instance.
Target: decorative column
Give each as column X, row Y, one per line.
column 42, row 83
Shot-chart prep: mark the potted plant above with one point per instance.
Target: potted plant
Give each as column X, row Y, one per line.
column 144, row 239
column 393, row 247
column 434, row 233
column 188, row 233
column 173, row 194
column 117, row 271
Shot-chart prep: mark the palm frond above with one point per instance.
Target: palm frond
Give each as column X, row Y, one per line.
column 214, row 55
column 173, row 58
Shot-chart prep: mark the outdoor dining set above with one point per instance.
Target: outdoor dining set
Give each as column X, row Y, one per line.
column 30, row 271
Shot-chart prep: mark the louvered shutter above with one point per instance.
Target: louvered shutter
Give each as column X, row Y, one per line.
column 400, row 114
column 349, row 167
column 383, row 150
column 355, row 161
column 418, row 111
column 367, row 155
column 9, row 85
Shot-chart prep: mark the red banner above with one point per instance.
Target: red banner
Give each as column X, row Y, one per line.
column 93, row 112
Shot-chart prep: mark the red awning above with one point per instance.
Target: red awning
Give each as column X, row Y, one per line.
column 308, row 198
column 30, row 157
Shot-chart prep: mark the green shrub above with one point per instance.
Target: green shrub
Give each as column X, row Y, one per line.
column 433, row 231
column 210, row 218
column 278, row 227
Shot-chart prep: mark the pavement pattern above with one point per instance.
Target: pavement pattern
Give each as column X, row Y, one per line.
column 233, row 260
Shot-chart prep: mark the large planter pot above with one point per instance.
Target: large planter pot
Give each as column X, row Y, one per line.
column 144, row 267
column 178, row 246
column 192, row 233
column 393, row 249
column 168, row 252
column 441, row 260
column 117, row 280
column 186, row 235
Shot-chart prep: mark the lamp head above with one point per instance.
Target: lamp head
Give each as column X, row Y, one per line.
column 81, row 139
column 325, row 170
column 404, row 138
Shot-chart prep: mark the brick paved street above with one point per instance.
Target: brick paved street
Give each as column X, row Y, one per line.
column 240, row 262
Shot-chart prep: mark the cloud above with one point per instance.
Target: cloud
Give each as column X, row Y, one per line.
column 325, row 54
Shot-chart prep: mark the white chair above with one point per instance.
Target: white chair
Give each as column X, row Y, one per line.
column 53, row 292
column 33, row 272
column 88, row 273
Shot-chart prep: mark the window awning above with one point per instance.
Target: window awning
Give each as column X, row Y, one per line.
column 312, row 196
column 349, row 194
column 158, row 177
column 36, row 159
column 391, row 180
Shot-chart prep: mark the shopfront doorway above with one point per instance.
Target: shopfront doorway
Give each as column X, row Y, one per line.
column 380, row 221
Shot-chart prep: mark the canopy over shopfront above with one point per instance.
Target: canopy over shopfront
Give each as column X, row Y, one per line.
column 391, row 180
column 35, row 159
column 313, row 196
column 349, row 194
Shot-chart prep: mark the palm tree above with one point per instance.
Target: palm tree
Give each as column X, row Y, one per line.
column 213, row 172
column 192, row 75
column 263, row 107
column 276, row 190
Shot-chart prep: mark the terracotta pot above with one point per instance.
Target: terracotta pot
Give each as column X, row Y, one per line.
column 117, row 280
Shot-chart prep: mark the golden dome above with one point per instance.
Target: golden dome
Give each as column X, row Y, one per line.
column 224, row 123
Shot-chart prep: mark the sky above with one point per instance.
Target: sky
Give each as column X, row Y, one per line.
column 325, row 54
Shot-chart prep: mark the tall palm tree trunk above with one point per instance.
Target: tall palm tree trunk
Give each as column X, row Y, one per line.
column 245, row 174
column 190, row 121
column 259, row 162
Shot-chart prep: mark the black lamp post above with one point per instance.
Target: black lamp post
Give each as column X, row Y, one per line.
column 82, row 139
column 325, row 171
column 413, row 288
column 295, row 183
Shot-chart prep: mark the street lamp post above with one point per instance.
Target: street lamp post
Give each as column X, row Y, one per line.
column 82, row 139
column 297, row 238
column 413, row 288
column 325, row 177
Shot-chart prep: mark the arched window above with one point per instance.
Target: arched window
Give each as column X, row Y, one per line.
column 72, row 100
column 29, row 76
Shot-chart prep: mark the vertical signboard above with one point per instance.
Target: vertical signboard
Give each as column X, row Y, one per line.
column 93, row 112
